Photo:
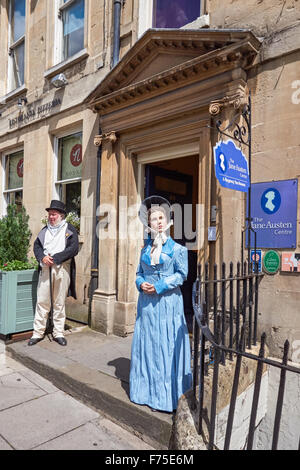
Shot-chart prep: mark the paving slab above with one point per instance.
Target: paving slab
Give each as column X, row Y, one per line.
column 94, row 368
column 96, row 435
column 15, row 389
column 39, row 381
column 35, row 422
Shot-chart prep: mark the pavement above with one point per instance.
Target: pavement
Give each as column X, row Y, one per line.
column 94, row 368
column 36, row 415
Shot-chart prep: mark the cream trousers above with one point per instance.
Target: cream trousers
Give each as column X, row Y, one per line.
column 60, row 285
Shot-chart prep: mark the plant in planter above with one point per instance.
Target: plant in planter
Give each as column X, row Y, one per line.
column 18, row 274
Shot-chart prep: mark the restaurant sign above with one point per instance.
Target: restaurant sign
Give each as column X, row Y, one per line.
column 33, row 112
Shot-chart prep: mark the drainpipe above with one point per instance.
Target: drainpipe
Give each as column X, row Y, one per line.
column 95, row 254
column 95, row 257
column 117, row 21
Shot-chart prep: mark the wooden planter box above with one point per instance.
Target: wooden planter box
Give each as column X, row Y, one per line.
column 17, row 300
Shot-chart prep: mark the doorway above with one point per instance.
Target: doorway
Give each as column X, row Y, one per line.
column 177, row 181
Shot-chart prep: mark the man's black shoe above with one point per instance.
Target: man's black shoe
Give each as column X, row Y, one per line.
column 61, row 340
column 33, row 341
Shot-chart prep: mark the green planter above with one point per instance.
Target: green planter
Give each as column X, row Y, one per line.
column 17, row 300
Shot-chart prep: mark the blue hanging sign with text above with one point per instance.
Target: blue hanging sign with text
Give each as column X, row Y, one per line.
column 274, row 214
column 231, row 166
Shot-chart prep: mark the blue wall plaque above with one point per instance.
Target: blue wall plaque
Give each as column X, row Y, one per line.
column 274, row 213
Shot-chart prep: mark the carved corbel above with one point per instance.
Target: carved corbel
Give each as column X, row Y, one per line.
column 108, row 137
column 237, row 101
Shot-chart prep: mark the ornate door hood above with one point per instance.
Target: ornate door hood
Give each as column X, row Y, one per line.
column 164, row 60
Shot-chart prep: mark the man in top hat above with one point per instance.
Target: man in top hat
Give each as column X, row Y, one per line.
column 55, row 248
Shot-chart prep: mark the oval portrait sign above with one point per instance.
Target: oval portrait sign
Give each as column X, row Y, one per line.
column 76, row 155
column 271, row 262
column 20, row 168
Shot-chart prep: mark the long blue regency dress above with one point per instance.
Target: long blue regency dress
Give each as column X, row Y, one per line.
column 160, row 370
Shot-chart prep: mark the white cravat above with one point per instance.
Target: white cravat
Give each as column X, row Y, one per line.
column 159, row 240
column 55, row 238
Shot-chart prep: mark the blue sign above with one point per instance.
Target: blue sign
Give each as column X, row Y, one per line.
column 256, row 260
column 231, row 166
column 274, row 214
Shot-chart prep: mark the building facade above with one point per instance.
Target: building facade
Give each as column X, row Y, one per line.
column 103, row 103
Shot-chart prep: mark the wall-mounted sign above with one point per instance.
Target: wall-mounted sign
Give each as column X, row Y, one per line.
column 271, row 262
column 33, row 112
column 231, row 166
column 274, row 214
column 256, row 259
column 212, row 234
column 290, row 262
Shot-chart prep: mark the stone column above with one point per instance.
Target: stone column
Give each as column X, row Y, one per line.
column 204, row 194
column 104, row 298
column 129, row 245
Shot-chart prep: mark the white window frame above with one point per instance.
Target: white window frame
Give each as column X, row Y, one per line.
column 58, row 30
column 11, row 47
column 4, row 169
column 146, row 15
column 57, row 183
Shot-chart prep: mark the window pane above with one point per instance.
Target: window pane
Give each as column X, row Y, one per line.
column 15, row 197
column 17, row 19
column 18, row 66
column 70, row 156
column 73, row 197
column 175, row 13
column 73, row 26
column 14, row 171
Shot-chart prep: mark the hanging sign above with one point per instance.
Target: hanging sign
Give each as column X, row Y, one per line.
column 274, row 214
column 271, row 262
column 231, row 166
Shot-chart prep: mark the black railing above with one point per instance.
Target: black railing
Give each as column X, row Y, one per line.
column 233, row 296
column 210, row 349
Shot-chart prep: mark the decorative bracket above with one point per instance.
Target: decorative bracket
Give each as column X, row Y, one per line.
column 110, row 137
column 240, row 132
column 236, row 101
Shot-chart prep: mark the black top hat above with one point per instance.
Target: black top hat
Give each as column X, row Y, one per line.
column 58, row 206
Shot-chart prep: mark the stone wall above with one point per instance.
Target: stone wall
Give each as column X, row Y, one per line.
column 185, row 435
column 290, row 423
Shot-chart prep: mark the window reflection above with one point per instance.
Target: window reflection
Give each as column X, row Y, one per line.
column 73, row 28
column 17, row 19
column 175, row 13
column 18, row 66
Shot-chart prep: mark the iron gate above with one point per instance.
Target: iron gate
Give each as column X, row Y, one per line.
column 225, row 324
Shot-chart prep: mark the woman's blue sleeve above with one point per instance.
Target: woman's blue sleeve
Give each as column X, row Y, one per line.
column 139, row 277
column 179, row 276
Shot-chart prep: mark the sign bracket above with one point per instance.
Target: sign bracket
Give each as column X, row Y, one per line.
column 241, row 133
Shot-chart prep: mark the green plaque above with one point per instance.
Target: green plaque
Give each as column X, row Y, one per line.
column 271, row 262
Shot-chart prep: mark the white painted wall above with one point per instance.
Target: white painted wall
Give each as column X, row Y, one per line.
column 290, row 422
column 242, row 416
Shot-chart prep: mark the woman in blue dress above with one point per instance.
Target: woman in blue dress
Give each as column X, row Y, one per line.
column 160, row 370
